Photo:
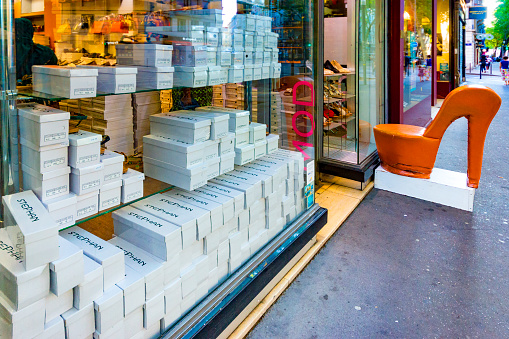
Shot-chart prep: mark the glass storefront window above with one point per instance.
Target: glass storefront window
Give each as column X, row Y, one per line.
column 418, row 62
column 214, row 101
column 443, row 43
column 354, row 91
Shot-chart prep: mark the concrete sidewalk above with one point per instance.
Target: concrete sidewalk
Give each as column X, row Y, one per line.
column 402, row 267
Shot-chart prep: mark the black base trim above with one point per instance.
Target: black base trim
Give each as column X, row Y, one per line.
column 360, row 173
column 262, row 276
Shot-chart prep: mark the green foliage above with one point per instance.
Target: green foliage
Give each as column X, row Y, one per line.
column 501, row 24
column 497, row 40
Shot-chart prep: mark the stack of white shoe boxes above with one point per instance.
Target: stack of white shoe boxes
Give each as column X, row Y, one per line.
column 132, row 186
column 112, row 116
column 187, row 137
column 144, row 104
column 87, row 171
column 107, row 306
column 110, row 191
column 29, row 242
column 238, row 124
column 257, row 137
column 162, row 240
column 45, row 141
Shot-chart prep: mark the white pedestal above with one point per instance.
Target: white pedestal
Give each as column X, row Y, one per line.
column 443, row 187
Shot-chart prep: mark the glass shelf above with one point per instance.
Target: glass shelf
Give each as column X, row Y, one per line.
column 150, row 187
column 27, row 93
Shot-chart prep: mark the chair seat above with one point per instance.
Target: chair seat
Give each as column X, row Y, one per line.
column 406, row 131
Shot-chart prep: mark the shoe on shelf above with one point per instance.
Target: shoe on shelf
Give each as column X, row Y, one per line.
column 328, row 65
column 340, row 68
column 327, row 72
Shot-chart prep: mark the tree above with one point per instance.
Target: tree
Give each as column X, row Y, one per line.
column 497, row 40
column 501, row 24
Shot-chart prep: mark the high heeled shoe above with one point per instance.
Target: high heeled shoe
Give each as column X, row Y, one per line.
column 329, row 66
column 411, row 150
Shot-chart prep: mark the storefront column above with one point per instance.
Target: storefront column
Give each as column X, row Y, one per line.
column 396, row 61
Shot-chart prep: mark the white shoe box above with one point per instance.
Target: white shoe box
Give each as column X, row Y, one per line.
column 132, row 186
column 258, row 241
column 44, row 158
column 153, row 332
column 212, row 260
column 34, row 234
column 155, row 77
column 201, row 265
column 248, row 67
column 278, row 172
column 219, row 123
column 226, row 202
column 153, row 311
column 117, row 331
column 158, row 237
column 63, row 209
column 190, row 212
column 275, row 70
column 42, row 125
column 104, row 253
column 238, row 118
column 222, row 272
column 67, row 82
column 234, row 263
column 256, row 211
column 260, row 149
column 117, row 80
column 296, row 156
column 250, row 176
column 79, row 323
column 175, row 152
column 227, row 144
column 245, row 252
column 91, row 287
column 172, row 300
column 46, row 185
column 272, row 143
column 19, row 286
column 215, row 209
column 270, row 161
column 202, row 290
column 212, row 280
column 109, row 195
column 257, row 132
column 212, row 167
column 227, row 163
column 212, row 36
column 223, row 57
column 214, row 72
column 232, row 225
column 211, row 149
column 243, row 220
column 191, row 76
column 171, row 269
column 87, row 179
column 237, row 195
column 257, row 70
column 15, row 323
column 87, row 204
column 190, row 56
column 290, row 186
column 133, row 287
column 84, row 149
column 188, row 281
column 181, row 126
column 244, row 154
column 109, row 309
column 190, row 253
column 56, row 305
column 266, row 66
column 223, row 75
column 170, row 317
column 236, row 240
column 252, row 190
column 53, row 330
column 223, row 251
column 211, row 242
column 68, row 270
column 291, row 216
column 133, row 323
column 256, row 227
column 113, row 166
column 236, row 72
column 188, row 302
column 145, row 264
column 241, row 137
column 171, row 213
column 153, row 55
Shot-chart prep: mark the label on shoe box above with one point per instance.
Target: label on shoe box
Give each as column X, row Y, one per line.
column 180, row 213
column 252, row 191
column 238, row 196
column 104, row 253
column 226, row 202
column 216, row 210
column 32, row 230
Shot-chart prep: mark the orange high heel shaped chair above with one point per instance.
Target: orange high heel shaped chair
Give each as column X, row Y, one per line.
column 411, row 150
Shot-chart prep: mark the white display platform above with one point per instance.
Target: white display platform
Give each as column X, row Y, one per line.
column 443, row 187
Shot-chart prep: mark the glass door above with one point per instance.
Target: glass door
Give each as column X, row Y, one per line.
column 354, row 80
